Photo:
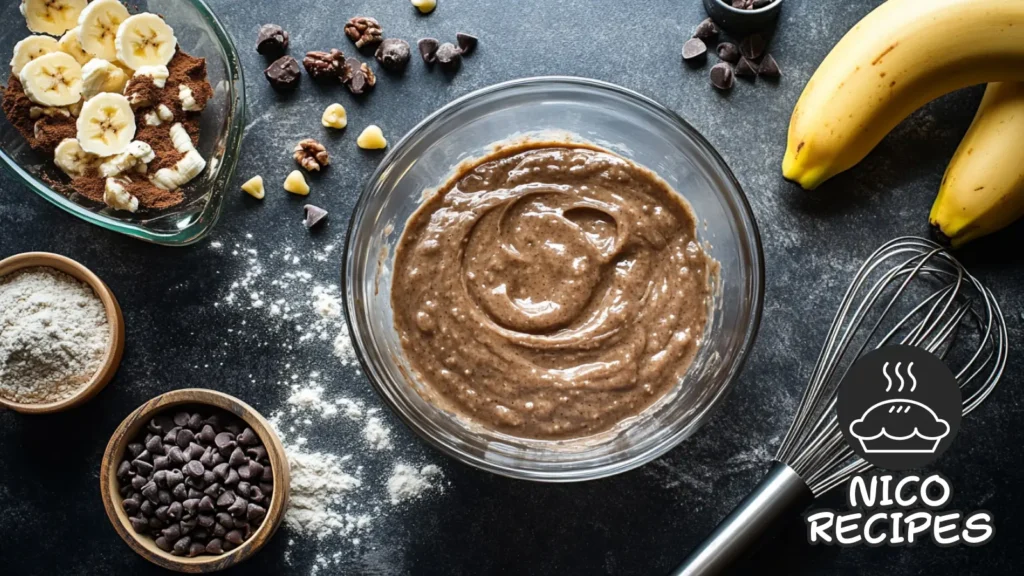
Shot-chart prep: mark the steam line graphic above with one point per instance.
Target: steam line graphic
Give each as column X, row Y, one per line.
column 896, row 370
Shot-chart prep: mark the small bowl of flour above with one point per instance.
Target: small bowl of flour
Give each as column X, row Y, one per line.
column 61, row 333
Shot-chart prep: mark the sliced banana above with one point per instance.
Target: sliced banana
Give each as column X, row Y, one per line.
column 71, row 44
column 51, row 16
column 31, row 48
column 106, row 125
column 74, row 161
column 116, row 195
column 52, row 80
column 138, row 152
column 98, row 26
column 145, row 40
column 185, row 169
column 100, row 76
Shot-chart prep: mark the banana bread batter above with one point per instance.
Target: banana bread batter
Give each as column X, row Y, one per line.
column 551, row 291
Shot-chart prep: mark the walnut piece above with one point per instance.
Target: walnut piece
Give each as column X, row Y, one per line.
column 358, row 76
column 324, row 65
column 311, row 155
column 364, row 31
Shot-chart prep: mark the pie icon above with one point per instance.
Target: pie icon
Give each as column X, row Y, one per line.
column 899, row 426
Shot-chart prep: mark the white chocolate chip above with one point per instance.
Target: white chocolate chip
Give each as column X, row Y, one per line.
column 254, row 187
column 335, row 117
column 372, row 138
column 188, row 101
column 425, row 6
column 296, row 184
column 164, row 113
column 117, row 197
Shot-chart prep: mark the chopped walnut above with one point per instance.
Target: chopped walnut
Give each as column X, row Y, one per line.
column 324, row 65
column 364, row 31
column 358, row 76
column 311, row 155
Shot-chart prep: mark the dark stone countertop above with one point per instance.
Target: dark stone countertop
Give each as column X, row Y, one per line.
column 641, row 522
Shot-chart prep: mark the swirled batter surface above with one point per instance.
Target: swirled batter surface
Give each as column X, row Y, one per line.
column 550, row 292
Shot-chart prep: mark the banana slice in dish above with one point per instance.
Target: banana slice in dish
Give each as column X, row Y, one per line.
column 106, row 125
column 52, row 80
column 98, row 25
column 145, row 40
column 31, row 48
column 51, row 16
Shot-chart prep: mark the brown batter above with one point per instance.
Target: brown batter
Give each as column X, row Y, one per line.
column 551, row 291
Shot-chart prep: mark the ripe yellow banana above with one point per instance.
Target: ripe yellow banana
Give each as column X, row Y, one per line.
column 983, row 189
column 902, row 55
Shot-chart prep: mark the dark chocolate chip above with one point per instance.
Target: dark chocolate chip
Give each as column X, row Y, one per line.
column 255, row 494
column 237, row 458
column 238, row 507
column 164, row 544
column 133, row 450
column 165, row 423
column 752, row 46
column 255, row 470
column 206, row 520
column 164, row 497
column 142, row 467
column 393, row 54
column 242, row 488
column 184, row 438
column 268, row 474
column 428, row 49
column 257, row 452
column 155, row 524
column 172, row 532
column 722, row 76
column 213, row 490
column 171, row 436
column 144, row 456
column 694, row 51
column 195, row 422
column 174, row 510
column 272, row 40
column 179, row 492
column 193, row 493
column 181, row 546
column 140, row 525
column 161, row 513
column 266, row 487
column 248, row 438
column 174, row 478
column 728, row 52
column 225, row 442
column 130, row 505
column 214, row 546
column 188, row 525
column 195, row 469
column 746, row 69
column 161, row 463
column 466, row 42
column 160, row 477
column 195, row 549
column 124, row 471
column 449, row 57
column 209, row 477
column 225, row 519
column 234, row 427
column 219, row 531
column 255, row 512
column 769, row 68
column 151, row 492
column 359, row 78
column 181, row 419
column 147, row 507
column 221, row 470
column 706, row 30
column 226, row 499
column 206, row 504
column 284, row 73
column 234, row 536
column 232, row 478
column 138, row 482
column 206, row 435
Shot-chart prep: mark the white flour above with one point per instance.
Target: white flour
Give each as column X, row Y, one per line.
column 346, row 479
column 53, row 335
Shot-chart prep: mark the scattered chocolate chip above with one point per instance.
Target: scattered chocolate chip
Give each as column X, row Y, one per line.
column 314, row 215
column 706, row 30
column 358, row 76
column 449, row 57
column 752, row 46
column 467, row 43
column 393, row 54
column 722, row 76
column 284, row 73
column 364, row 31
column 746, row 69
column 272, row 41
column 694, row 51
column 324, row 65
column 769, row 68
column 428, row 49
column 728, row 52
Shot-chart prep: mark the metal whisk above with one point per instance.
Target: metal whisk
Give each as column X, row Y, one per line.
column 910, row 291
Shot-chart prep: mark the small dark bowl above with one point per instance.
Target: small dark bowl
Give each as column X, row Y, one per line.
column 742, row 22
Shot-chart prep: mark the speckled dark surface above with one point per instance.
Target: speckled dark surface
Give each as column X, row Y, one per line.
column 642, row 522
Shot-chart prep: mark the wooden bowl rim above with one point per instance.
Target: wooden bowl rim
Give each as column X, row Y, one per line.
column 115, row 321
column 144, row 545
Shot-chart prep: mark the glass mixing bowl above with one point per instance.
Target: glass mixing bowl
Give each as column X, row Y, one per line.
column 200, row 34
column 583, row 110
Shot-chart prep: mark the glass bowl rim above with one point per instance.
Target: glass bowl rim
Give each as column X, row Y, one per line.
column 757, row 285
column 232, row 151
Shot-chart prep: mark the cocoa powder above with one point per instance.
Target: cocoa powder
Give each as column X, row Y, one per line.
column 45, row 134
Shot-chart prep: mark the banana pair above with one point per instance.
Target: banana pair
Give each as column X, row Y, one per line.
column 899, row 57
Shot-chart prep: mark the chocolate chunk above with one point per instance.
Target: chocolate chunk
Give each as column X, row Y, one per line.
column 721, row 76
column 237, row 458
column 195, row 469
column 728, row 52
column 184, row 438
column 449, row 57
column 467, row 43
column 255, row 512
column 174, row 511
column 694, row 51
column 769, row 68
column 428, row 49
column 206, row 435
column 752, row 46
column 133, row 450
column 314, row 215
column 393, row 54
column 746, row 69
column 226, row 499
column 272, row 40
column 283, row 74
column 706, row 30
column 324, row 65
column 181, row 546
column 234, row 536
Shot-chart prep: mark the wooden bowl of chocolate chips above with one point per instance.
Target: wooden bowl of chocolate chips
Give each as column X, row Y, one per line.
column 195, row 481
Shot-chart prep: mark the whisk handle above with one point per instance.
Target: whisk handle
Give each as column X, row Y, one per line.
column 782, row 493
